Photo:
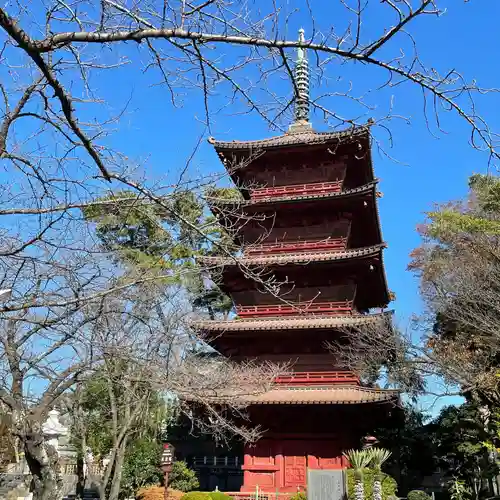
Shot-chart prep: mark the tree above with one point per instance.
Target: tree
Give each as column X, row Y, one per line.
column 378, row 456
column 141, row 466
column 144, row 360
column 459, row 270
column 461, row 436
column 412, row 443
column 150, row 240
column 118, row 412
column 359, row 460
column 59, row 155
column 116, row 304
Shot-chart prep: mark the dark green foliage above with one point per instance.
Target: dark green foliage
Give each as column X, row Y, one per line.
column 461, row 437
column 389, row 485
column 128, row 226
column 218, row 495
column 227, row 193
column 411, row 444
column 480, row 216
column 211, row 299
column 196, row 495
column 487, row 191
column 418, row 495
column 457, row 441
column 146, row 234
column 183, row 478
column 160, row 238
column 142, row 466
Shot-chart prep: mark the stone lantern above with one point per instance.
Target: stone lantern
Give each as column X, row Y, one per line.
column 53, row 429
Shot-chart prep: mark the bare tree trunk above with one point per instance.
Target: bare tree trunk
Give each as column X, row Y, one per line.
column 42, row 461
column 80, row 468
column 117, row 473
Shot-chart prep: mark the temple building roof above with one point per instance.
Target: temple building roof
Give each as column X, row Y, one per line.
column 290, row 323
column 298, row 136
column 323, row 395
column 297, row 257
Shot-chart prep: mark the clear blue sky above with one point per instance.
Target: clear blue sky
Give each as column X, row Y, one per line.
column 432, row 169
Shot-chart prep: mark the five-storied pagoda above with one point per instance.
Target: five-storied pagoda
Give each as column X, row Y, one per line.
column 308, row 222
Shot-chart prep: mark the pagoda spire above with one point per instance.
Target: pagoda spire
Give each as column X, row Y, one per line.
column 301, row 89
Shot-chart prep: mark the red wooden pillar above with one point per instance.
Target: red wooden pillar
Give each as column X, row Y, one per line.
column 247, row 462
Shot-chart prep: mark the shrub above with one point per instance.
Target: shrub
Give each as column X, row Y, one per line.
column 218, row 495
column 175, row 494
column 418, row 495
column 151, row 493
column 300, row 495
column 196, row 495
column 182, row 477
column 157, row 493
column 389, row 485
column 141, row 467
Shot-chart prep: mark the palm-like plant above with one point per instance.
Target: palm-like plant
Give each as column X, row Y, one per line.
column 359, row 460
column 377, row 458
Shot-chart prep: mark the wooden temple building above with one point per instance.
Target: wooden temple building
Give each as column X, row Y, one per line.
column 308, row 223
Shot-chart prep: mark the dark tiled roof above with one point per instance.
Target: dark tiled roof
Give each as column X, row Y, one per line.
column 296, row 257
column 290, row 323
column 299, row 138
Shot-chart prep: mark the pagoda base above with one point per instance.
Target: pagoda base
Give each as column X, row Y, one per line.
column 281, row 464
column 305, row 437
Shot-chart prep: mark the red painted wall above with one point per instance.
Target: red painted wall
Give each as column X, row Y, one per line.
column 274, row 464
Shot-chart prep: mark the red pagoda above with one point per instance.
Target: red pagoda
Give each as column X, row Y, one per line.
column 309, row 229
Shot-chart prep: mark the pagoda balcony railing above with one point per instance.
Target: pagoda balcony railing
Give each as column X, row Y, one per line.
column 297, row 308
column 332, row 377
column 214, row 461
column 297, row 246
column 294, row 189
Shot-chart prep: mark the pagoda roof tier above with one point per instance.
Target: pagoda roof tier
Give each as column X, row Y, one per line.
column 300, row 137
column 243, row 218
column 361, row 279
column 348, row 394
column 290, row 323
column 331, row 395
column 300, row 154
column 294, row 258
column 274, row 200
